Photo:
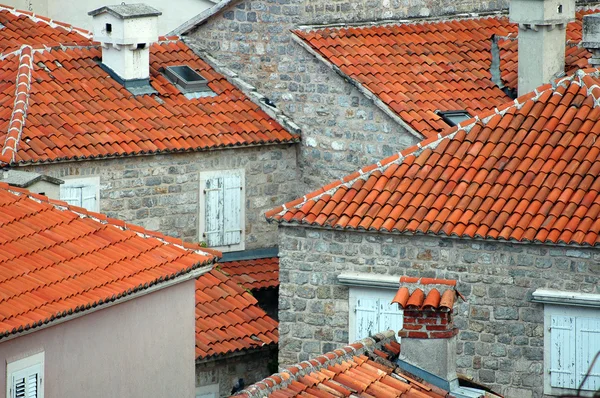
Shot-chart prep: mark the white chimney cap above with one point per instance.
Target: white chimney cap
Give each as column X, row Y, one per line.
column 127, row 11
column 542, row 12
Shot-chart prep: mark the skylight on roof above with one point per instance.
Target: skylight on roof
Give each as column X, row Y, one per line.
column 188, row 81
column 452, row 118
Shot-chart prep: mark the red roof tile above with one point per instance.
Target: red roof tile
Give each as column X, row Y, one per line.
column 254, row 274
column 364, row 369
column 417, row 68
column 56, row 260
column 526, row 172
column 426, row 294
column 228, row 318
column 99, row 117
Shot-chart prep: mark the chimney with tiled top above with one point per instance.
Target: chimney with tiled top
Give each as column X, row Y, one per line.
column 428, row 333
column 126, row 32
column 591, row 38
column 542, row 38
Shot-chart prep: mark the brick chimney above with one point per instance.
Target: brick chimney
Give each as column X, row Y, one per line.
column 126, row 32
column 591, row 38
column 428, row 335
column 542, row 38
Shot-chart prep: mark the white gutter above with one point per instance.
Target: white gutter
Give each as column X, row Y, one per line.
column 158, row 286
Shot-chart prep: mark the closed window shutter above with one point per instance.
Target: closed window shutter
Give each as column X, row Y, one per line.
column 213, row 213
column 562, row 352
column 88, row 198
column 588, row 344
column 19, row 388
column 391, row 318
column 71, row 195
column 232, row 209
column 366, row 317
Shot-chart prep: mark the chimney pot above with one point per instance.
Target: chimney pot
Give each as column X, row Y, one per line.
column 542, row 39
column 125, row 32
column 591, row 37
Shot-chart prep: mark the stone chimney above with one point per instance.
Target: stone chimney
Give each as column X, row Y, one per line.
column 428, row 335
column 542, row 38
column 591, row 38
column 126, row 32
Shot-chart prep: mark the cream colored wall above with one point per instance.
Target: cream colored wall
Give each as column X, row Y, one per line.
column 174, row 13
column 140, row 348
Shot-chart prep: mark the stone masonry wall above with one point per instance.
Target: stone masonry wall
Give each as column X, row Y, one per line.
column 161, row 192
column 501, row 334
column 342, row 129
column 251, row 367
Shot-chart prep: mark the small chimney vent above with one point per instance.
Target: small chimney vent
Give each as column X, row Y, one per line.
column 591, row 37
column 542, row 39
column 126, row 32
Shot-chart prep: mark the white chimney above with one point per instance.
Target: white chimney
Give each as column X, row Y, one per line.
column 126, row 32
column 542, row 38
column 591, row 38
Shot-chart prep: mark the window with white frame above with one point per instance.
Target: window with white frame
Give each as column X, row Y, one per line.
column 25, row 377
column 222, row 216
column 371, row 312
column 571, row 340
column 82, row 191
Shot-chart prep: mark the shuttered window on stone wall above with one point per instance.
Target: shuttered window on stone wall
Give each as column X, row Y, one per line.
column 376, row 314
column 222, row 215
column 574, row 341
column 81, row 192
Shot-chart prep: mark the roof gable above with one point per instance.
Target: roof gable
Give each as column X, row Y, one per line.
column 56, row 260
column 527, row 171
column 416, row 68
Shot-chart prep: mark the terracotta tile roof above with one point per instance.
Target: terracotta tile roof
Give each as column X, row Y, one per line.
column 526, row 172
column 56, row 260
column 364, row 369
column 228, row 318
column 25, row 28
column 426, row 294
column 260, row 273
column 417, row 68
column 100, row 118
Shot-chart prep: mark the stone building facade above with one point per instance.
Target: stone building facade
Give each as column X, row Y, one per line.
column 501, row 332
column 161, row 192
column 251, row 366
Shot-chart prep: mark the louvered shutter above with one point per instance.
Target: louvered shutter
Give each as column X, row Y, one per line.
column 366, row 317
column 25, row 383
column 232, row 209
column 71, row 195
column 562, row 352
column 587, row 332
column 390, row 317
column 213, row 213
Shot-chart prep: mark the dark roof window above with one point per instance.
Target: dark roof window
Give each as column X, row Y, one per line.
column 452, row 118
column 188, row 81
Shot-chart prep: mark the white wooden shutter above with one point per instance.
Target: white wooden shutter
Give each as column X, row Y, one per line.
column 232, row 209
column 390, row 317
column 25, row 383
column 562, row 352
column 213, row 212
column 88, row 197
column 71, row 195
column 587, row 332
column 366, row 317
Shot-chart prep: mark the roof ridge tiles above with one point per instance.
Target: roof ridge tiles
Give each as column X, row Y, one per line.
column 21, row 102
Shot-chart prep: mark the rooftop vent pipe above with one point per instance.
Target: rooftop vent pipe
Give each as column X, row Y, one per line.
column 542, row 38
